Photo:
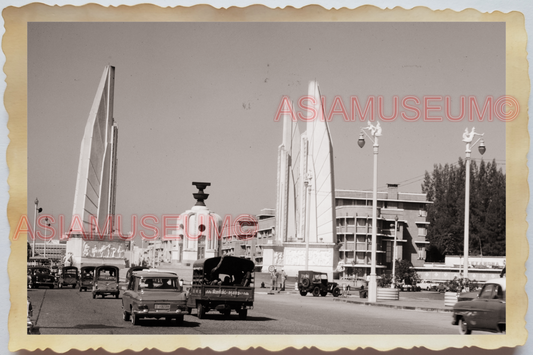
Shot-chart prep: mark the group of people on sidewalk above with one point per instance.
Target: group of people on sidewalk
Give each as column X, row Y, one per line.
column 275, row 276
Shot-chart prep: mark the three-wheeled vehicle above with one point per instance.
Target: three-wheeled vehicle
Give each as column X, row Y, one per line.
column 222, row 283
column 86, row 277
column 68, row 277
column 105, row 281
column 40, row 276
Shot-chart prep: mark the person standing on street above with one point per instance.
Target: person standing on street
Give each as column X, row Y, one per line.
column 274, row 277
column 283, row 280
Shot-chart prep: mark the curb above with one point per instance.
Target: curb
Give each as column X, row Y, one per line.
column 409, row 308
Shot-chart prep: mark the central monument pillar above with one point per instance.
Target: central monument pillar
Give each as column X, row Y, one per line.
column 201, row 228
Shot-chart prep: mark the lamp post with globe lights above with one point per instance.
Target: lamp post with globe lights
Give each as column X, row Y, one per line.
column 375, row 133
column 468, row 137
column 37, row 211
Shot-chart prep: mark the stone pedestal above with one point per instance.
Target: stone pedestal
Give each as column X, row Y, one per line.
column 291, row 257
column 109, row 251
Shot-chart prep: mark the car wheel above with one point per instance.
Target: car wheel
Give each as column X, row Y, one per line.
column 303, row 293
column 200, row 311
column 126, row 316
column 134, row 319
column 305, row 282
column 168, row 319
column 243, row 313
column 463, row 327
column 336, row 292
column 316, row 291
column 179, row 319
column 116, row 295
column 94, row 295
column 226, row 312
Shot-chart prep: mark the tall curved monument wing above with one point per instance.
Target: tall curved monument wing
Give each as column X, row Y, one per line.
column 288, row 180
column 96, row 181
column 320, row 167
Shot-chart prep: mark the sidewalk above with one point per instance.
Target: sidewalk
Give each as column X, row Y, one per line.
column 414, row 301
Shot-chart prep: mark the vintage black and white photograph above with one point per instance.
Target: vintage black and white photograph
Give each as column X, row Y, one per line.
column 260, row 178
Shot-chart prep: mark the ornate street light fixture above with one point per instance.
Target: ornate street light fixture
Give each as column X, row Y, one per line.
column 375, row 133
column 467, row 138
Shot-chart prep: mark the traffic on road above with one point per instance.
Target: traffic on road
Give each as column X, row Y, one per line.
column 159, row 301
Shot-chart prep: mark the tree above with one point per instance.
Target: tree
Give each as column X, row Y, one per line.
column 405, row 272
column 445, row 187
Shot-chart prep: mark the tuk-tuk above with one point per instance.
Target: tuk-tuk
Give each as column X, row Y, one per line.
column 68, row 277
column 222, row 283
column 40, row 276
column 105, row 281
column 86, row 277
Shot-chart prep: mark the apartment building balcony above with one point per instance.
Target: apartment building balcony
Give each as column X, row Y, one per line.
column 346, row 230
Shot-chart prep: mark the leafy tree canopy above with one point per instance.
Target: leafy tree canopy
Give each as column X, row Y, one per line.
column 445, row 187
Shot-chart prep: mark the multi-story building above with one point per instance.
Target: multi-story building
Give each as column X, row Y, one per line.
column 401, row 216
column 52, row 250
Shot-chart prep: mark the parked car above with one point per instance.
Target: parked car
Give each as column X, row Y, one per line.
column 69, row 277
column 40, row 276
column 316, row 283
column 428, row 285
column 153, row 295
column 86, row 279
column 485, row 312
column 105, row 281
column 209, row 292
column 29, row 322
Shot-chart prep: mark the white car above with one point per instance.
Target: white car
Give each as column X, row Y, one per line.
column 428, row 285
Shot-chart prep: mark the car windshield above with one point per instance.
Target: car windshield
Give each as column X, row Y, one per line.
column 42, row 271
column 157, row 284
column 107, row 275
column 71, row 271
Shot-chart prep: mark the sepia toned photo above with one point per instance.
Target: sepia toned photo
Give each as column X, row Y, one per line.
column 295, row 179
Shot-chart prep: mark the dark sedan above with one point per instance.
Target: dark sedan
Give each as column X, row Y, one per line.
column 486, row 312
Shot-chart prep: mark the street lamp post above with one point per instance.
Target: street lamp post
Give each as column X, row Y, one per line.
column 375, row 133
column 45, row 240
column 394, row 253
column 37, row 210
column 467, row 138
column 307, row 183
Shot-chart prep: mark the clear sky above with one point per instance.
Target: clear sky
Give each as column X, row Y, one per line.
column 197, row 101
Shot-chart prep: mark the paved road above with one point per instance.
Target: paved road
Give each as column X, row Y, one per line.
column 68, row 311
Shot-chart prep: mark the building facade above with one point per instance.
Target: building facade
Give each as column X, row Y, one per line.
column 401, row 216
